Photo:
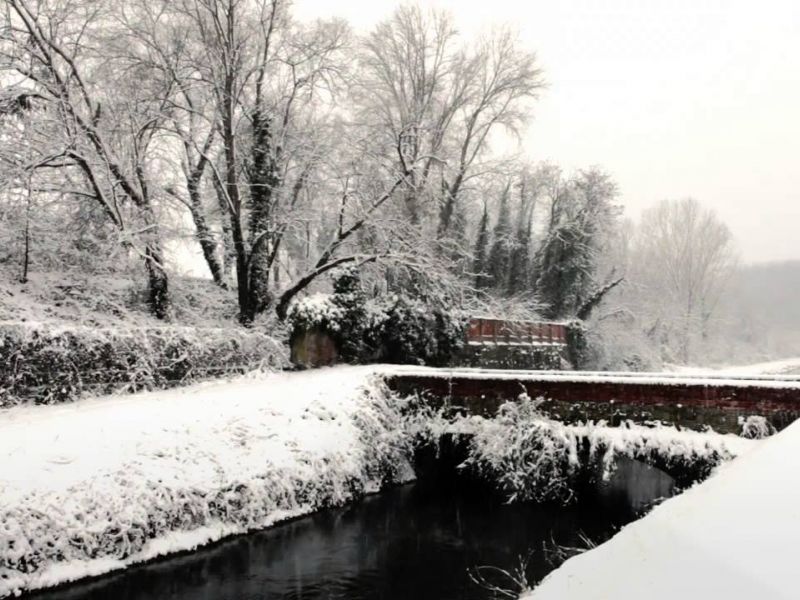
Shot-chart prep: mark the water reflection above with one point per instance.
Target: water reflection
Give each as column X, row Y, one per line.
column 415, row 542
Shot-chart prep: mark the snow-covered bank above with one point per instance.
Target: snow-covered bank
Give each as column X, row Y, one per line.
column 529, row 456
column 94, row 486
column 734, row 537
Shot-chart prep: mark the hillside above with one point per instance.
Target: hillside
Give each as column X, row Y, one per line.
column 110, row 300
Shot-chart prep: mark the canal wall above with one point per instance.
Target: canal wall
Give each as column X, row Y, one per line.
column 722, row 404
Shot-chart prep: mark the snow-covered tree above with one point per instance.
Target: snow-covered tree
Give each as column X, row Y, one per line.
column 582, row 213
column 683, row 257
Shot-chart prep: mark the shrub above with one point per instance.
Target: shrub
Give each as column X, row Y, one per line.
column 48, row 366
column 413, row 333
column 396, row 329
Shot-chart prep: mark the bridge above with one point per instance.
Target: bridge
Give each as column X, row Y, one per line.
column 501, row 343
column 695, row 402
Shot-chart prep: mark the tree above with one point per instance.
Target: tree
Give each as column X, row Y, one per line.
column 502, row 243
column 247, row 92
column 581, row 216
column 684, row 257
column 480, row 264
column 434, row 101
column 518, row 278
column 102, row 135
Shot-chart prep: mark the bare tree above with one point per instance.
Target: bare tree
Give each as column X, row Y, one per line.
column 103, row 136
column 247, row 84
column 434, row 101
column 684, row 257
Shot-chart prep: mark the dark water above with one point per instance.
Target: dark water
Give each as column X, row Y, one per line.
column 415, row 542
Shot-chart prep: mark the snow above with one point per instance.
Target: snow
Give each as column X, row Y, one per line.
column 734, row 537
column 784, row 367
column 678, row 379
column 529, row 456
column 100, row 484
column 97, row 485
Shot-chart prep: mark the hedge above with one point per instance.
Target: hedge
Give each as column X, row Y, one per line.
column 44, row 365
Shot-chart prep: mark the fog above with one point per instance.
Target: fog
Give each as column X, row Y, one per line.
column 681, row 98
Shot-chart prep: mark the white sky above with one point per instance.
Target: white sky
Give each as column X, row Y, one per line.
column 674, row 97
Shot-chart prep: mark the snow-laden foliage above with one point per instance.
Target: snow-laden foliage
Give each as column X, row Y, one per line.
column 756, row 427
column 529, row 456
column 394, row 329
column 191, row 467
column 316, row 311
column 48, row 365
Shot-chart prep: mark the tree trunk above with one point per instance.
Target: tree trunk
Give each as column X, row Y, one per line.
column 158, row 282
column 264, row 182
column 206, row 238
column 246, row 310
column 233, row 197
column 228, row 249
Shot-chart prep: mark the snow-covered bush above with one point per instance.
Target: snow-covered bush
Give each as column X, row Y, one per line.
column 615, row 341
column 525, row 454
column 756, row 427
column 48, row 365
column 394, row 329
column 414, row 333
column 529, row 456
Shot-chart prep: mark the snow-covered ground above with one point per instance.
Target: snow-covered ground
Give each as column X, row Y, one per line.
column 734, row 536
column 787, row 366
column 94, row 486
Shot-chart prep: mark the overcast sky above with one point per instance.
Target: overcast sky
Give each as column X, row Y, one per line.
column 674, row 97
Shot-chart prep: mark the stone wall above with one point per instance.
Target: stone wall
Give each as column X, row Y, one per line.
column 313, row 348
column 692, row 405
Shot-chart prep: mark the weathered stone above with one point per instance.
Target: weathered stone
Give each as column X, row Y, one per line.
column 313, row 348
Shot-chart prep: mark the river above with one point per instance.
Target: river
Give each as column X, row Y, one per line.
column 415, row 542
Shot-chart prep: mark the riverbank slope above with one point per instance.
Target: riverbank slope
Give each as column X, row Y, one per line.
column 733, row 536
column 94, row 486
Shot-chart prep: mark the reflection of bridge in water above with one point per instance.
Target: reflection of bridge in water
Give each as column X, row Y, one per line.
column 696, row 402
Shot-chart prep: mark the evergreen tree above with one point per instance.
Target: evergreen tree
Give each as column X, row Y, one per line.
column 481, row 246
column 500, row 253
column 518, row 278
column 349, row 297
column 566, row 262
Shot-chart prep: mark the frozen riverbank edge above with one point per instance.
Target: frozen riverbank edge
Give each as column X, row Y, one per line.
column 98, row 485
column 734, row 536
column 95, row 486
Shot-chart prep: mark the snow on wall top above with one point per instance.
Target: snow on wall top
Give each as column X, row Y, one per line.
column 774, row 382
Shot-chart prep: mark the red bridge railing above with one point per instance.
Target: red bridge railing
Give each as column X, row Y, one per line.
column 498, row 331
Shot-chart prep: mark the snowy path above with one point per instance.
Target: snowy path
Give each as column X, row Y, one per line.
column 783, row 367
column 734, row 536
column 93, row 486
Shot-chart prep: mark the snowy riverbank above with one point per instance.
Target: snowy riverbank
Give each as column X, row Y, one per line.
column 733, row 536
column 97, row 485
column 94, row 486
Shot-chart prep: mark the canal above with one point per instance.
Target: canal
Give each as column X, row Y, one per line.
column 415, row 542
